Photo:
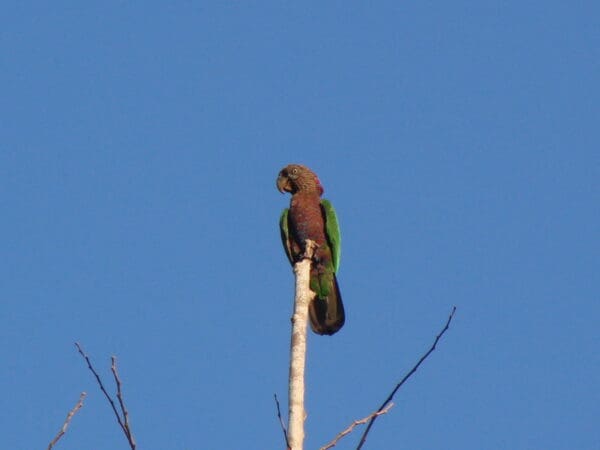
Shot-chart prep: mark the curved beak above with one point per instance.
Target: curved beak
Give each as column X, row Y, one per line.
column 283, row 184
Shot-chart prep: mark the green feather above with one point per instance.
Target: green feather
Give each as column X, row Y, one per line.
column 285, row 237
column 332, row 230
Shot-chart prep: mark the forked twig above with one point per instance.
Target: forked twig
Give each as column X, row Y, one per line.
column 354, row 424
column 123, row 422
column 67, row 421
column 406, row 377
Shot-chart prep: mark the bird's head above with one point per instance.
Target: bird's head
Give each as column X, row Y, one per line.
column 298, row 178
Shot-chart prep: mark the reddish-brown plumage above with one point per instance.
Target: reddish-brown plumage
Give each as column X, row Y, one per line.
column 306, row 220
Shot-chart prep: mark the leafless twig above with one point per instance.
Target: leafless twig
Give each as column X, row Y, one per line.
column 63, row 430
column 287, row 443
column 126, row 425
column 406, row 377
column 123, row 422
column 354, row 424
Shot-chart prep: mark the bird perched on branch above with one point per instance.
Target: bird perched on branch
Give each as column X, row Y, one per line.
column 310, row 217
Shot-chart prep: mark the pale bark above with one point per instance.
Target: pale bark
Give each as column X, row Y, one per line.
column 302, row 299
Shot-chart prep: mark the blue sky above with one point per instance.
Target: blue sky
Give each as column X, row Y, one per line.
column 140, row 142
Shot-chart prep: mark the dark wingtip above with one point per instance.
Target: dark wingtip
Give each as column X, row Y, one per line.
column 320, row 314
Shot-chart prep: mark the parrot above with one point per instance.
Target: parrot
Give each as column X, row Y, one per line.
column 310, row 217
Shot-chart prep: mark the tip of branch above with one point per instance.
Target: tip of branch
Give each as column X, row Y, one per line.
column 310, row 248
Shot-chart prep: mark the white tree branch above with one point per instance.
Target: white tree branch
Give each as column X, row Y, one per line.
column 302, row 299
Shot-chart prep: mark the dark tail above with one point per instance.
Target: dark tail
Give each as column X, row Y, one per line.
column 327, row 314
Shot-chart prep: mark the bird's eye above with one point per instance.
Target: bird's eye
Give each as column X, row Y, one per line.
column 295, row 170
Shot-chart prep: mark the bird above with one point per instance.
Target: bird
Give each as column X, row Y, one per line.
column 311, row 217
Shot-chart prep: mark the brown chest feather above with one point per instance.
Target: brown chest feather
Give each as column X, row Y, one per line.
column 306, row 219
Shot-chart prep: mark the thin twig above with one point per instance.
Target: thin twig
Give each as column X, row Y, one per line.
column 406, row 377
column 107, row 395
column 101, row 385
column 287, row 443
column 127, row 426
column 354, row 424
column 63, row 430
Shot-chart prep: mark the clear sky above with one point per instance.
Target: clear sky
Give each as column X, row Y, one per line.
column 458, row 141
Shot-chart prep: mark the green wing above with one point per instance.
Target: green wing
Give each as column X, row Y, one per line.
column 332, row 228
column 285, row 237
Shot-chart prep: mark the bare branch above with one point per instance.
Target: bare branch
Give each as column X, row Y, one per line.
column 406, row 377
column 122, row 424
column 287, row 442
column 354, row 424
column 63, row 430
column 101, row 385
column 127, row 427
column 302, row 299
